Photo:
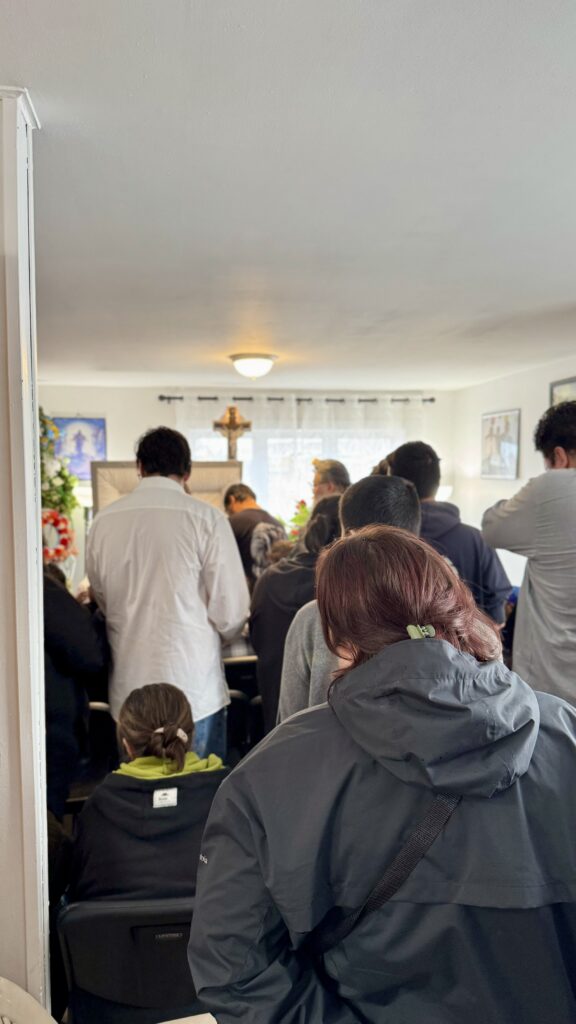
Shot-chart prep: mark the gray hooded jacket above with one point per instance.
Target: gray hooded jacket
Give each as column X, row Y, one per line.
column 485, row 927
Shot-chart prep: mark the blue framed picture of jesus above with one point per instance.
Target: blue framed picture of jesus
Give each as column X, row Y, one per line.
column 80, row 441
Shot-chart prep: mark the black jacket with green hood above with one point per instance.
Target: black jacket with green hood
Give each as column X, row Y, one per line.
column 484, row 930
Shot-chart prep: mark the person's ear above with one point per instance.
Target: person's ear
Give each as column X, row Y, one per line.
column 560, row 458
column 128, row 749
column 187, row 476
column 139, row 469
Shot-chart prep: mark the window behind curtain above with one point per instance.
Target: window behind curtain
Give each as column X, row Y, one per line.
column 286, row 436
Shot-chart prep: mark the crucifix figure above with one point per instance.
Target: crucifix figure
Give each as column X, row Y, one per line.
column 232, row 425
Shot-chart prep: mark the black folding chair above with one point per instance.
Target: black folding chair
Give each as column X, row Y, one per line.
column 126, row 961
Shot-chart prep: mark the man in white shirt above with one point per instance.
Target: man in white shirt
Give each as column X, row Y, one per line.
column 165, row 570
column 540, row 523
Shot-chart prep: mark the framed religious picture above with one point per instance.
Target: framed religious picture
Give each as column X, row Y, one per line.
column 500, row 444
column 563, row 391
column 80, row 441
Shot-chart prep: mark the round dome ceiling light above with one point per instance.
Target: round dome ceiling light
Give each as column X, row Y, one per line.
column 253, row 364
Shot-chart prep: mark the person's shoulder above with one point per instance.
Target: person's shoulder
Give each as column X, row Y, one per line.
column 556, row 483
column 307, row 616
column 557, row 714
column 295, row 744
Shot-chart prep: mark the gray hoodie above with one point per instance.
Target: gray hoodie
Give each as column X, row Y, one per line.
column 483, row 930
column 308, row 666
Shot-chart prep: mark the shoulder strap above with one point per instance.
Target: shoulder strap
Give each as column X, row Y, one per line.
column 417, row 845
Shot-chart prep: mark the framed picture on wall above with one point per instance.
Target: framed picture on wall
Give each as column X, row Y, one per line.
column 500, row 444
column 81, row 441
column 563, row 391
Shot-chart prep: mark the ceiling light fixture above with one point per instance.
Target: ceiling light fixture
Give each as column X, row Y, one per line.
column 253, row 364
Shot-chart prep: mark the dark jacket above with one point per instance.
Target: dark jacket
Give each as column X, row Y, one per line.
column 126, row 848
column 74, row 654
column 484, row 930
column 255, row 531
column 279, row 593
column 477, row 563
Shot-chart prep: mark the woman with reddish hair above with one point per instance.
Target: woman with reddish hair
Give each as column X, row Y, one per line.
column 405, row 853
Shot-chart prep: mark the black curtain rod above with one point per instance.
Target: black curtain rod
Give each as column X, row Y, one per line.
column 299, row 400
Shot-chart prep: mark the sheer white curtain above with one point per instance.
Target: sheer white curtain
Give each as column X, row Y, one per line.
column 289, row 429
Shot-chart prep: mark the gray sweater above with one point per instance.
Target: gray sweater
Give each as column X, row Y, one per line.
column 308, row 666
column 540, row 523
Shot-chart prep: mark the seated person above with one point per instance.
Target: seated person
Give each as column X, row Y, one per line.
column 423, row 717
column 138, row 835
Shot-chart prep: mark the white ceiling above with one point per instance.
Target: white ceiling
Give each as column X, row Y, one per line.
column 382, row 192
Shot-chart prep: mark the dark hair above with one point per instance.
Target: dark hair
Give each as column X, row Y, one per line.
column 419, row 463
column 372, row 584
column 157, row 706
column 164, row 452
column 332, row 472
column 55, row 573
column 384, row 500
column 381, row 468
column 324, row 524
column 556, row 429
column 239, row 492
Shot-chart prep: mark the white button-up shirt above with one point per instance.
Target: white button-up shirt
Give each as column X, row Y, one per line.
column 165, row 570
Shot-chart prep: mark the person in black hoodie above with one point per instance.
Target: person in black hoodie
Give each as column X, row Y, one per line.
column 477, row 563
column 138, row 835
column 279, row 593
column 75, row 654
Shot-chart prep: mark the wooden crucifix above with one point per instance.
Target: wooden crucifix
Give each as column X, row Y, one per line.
column 232, row 425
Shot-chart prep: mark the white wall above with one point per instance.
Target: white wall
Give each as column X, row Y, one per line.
column 128, row 411
column 131, row 411
column 529, row 392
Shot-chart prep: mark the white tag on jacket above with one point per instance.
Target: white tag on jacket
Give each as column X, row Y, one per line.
column 165, row 797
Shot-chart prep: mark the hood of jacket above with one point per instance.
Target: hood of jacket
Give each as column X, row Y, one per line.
column 438, row 519
column 436, row 717
column 291, row 583
column 128, row 803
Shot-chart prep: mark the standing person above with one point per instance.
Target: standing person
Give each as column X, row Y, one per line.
column 476, row 562
column 165, row 570
column 540, row 523
column 75, row 655
column 330, row 477
column 309, row 666
column 278, row 595
column 481, row 924
column 255, row 530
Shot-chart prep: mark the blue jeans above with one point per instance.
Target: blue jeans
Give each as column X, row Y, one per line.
column 210, row 735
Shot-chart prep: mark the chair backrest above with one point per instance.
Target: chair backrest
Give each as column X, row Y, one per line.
column 17, row 1007
column 129, row 952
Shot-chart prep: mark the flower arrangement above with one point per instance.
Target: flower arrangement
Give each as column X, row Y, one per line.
column 58, row 499
column 299, row 520
column 56, row 481
column 64, row 545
